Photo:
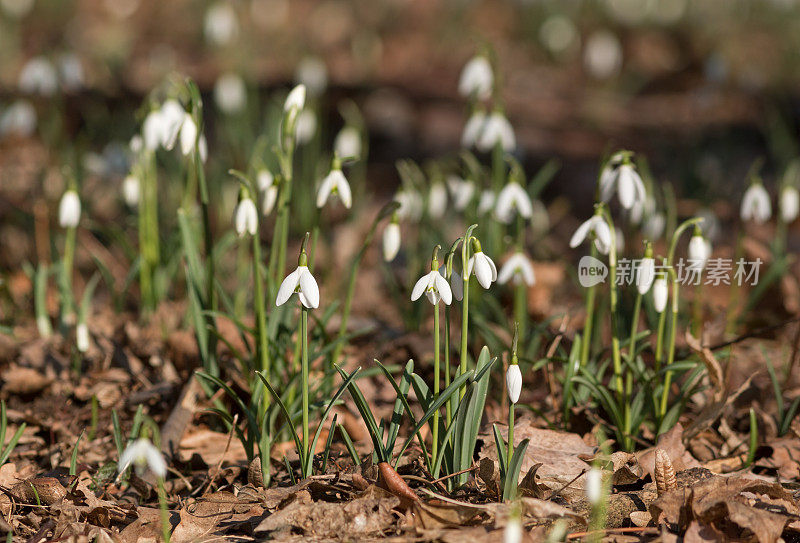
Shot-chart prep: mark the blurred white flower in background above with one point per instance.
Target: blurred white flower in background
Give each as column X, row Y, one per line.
column 654, row 225
column 411, row 204
column 131, row 190
column 82, row 339
column 245, row 217
column 312, row 73
column 348, row 143
column 266, row 184
column 69, row 209
column 660, row 293
column 143, row 455
column 513, row 198
column 497, row 130
column 461, row 191
column 602, row 55
column 71, row 69
column 437, row 200
column 38, row 76
column 756, row 204
column 486, row 202
column 473, row 128
column 699, row 249
column 391, row 241
column 18, row 119
column 335, row 184
column 17, row 8
column 513, row 530
column 789, row 204
column 122, row 9
column 477, row 78
column 559, row 35
column 306, row 126
column 594, row 486
column 517, row 269
column 230, row 93
column 627, row 182
column 221, row 25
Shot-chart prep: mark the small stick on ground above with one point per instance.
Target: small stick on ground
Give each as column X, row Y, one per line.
column 632, row 529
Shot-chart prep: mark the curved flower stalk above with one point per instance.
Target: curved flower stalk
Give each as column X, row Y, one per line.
column 620, row 174
column 335, row 184
column 756, row 204
column 466, row 243
column 477, row 79
column 513, row 199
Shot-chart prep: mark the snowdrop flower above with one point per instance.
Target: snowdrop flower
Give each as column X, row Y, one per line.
column 660, row 293
column 391, row 240
column 629, row 185
column 143, row 455
column 17, row 8
column 513, row 382
column 513, row 198
column 484, row 267
column 220, row 25
column 82, row 337
column 476, row 79
column 348, row 143
column 300, row 281
column 69, row 209
column 789, row 204
column 699, row 248
column 518, row 269
column 437, row 200
column 188, row 134
column 473, row 128
column 646, row 271
column 19, row 118
column 266, row 184
column 230, row 93
column 756, row 204
column 202, row 147
column 295, row 100
column 434, row 286
column 603, row 55
column 335, row 183
column 38, row 76
column 312, row 73
column 411, row 204
column 461, row 191
column 456, row 283
column 172, row 120
column 599, row 227
column 486, row 202
column 594, row 486
column 513, row 530
column 306, row 126
column 654, row 226
column 136, row 144
column 71, row 69
column 497, row 130
column 245, row 217
column 131, row 189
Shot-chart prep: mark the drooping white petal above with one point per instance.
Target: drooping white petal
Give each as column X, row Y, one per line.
column 497, row 130
column 296, row 99
column 270, row 197
column 264, row 179
column 698, row 250
column 344, row 192
column 188, row 134
column 602, row 231
column 143, row 454
column 443, row 288
column 594, row 486
column 334, row 183
column 580, row 234
column 391, row 241
column 82, row 337
column 348, row 143
column 645, row 274
column 660, row 294
column 308, row 287
column 151, row 130
column 131, row 190
column 626, row 188
column 69, row 210
column 419, row 288
column 517, row 269
column 287, row 288
column 246, row 217
column 513, row 383
column 457, row 286
column 473, row 129
column 172, row 118
column 789, row 204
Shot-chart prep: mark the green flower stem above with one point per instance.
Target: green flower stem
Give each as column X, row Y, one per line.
column 304, row 385
column 510, row 453
column 464, row 328
column 521, row 290
column 261, row 314
column 662, row 318
column 68, row 315
column 281, row 236
column 672, row 333
column 498, row 178
column 637, row 308
column 436, row 372
column 591, row 296
column 448, row 404
column 241, row 275
column 166, row 527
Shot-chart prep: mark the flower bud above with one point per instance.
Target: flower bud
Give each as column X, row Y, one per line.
column 660, row 294
column 594, row 486
column 69, row 210
column 391, row 241
column 82, row 337
column 513, row 382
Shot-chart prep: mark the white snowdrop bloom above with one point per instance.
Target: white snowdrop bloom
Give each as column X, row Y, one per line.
column 411, row 205
column 152, row 130
column 335, row 183
column 172, row 119
column 38, row 76
column 645, row 274
column 19, row 118
column 789, row 204
column 245, row 218
column 136, row 144
column 513, row 530
column 513, row 382
column 660, row 294
column 756, row 204
column 143, row 456
column 300, row 281
column 17, row 8
column 473, row 129
column 461, row 191
column 640, row 208
column 131, row 189
column 434, row 286
column 484, row 268
column 513, row 198
column 603, row 55
column 391, row 241
column 558, row 34
column 518, row 269
column 699, row 249
column 202, row 147
column 264, row 179
column 296, row 99
column 437, row 200
column 486, row 202
column 654, row 226
column 348, row 143
column 312, row 72
column 266, row 184
column 71, row 70
column 230, row 93
column 497, row 130
column 629, row 185
column 69, row 209
column 188, row 134
column 594, row 486
column 82, row 337
column 477, row 78
column 306, row 126
column 597, row 225
column 221, row 25
column 540, row 219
